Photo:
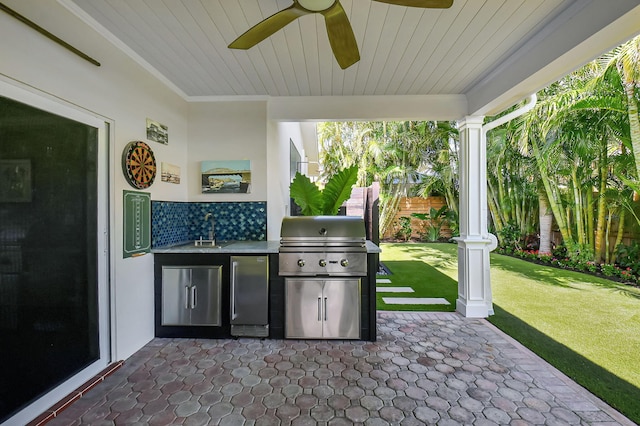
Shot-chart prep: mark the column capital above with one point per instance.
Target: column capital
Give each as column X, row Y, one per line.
column 479, row 241
column 471, row 120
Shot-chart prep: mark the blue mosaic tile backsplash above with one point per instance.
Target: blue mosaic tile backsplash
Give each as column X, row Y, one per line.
column 180, row 222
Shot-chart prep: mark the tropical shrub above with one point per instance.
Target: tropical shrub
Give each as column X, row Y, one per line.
column 580, row 253
column 404, row 228
column 435, row 219
column 608, row 269
column 627, row 275
column 314, row 201
column 629, row 256
column 545, row 257
column 510, row 237
column 453, row 220
column 559, row 252
column 592, row 266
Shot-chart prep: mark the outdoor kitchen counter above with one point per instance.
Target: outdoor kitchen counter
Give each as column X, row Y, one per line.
column 190, row 255
column 238, row 247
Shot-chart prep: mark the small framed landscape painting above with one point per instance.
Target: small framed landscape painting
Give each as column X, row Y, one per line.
column 157, row 132
column 170, row 173
column 226, row 177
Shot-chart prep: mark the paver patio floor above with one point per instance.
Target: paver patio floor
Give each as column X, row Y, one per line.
column 425, row 368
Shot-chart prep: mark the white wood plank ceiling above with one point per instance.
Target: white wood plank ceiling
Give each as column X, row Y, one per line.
column 404, row 51
column 490, row 53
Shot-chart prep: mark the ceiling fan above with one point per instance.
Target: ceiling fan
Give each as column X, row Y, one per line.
column 343, row 42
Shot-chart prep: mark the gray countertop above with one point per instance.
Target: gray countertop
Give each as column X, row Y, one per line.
column 237, row 247
column 232, row 247
column 372, row 248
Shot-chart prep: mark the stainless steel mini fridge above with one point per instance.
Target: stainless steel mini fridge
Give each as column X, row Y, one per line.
column 250, row 296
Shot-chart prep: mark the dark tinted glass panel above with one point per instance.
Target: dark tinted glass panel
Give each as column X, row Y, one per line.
column 48, row 284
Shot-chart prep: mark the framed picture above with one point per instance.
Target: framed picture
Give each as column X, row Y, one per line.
column 15, row 181
column 170, row 173
column 226, row 177
column 157, row 132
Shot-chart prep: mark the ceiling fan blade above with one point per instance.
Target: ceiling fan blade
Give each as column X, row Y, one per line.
column 343, row 42
column 435, row 4
column 269, row 26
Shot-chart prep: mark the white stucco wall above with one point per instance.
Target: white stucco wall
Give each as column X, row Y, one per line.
column 279, row 136
column 126, row 95
column 122, row 92
column 228, row 131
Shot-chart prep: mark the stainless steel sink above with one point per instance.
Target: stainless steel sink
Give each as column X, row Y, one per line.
column 212, row 243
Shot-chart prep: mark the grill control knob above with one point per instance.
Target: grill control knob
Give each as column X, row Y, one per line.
column 344, row 263
column 301, row 262
column 322, row 263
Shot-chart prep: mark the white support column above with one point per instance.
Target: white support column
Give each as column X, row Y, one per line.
column 475, row 242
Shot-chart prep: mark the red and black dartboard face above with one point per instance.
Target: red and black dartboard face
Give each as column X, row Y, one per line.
column 139, row 164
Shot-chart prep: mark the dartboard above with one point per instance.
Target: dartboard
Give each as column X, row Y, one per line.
column 139, row 164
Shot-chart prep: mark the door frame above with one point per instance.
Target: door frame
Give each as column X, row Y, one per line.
column 28, row 95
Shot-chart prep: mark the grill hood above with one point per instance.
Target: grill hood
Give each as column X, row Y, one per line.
column 322, row 229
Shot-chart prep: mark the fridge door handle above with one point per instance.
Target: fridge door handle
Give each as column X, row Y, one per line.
column 319, row 308
column 186, row 297
column 194, row 295
column 234, row 273
column 325, row 308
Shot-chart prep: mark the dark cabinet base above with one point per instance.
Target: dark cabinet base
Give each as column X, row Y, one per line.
column 276, row 298
column 189, row 331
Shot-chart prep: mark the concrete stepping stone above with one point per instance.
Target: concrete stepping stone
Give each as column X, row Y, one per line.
column 415, row 301
column 383, row 281
column 394, row 290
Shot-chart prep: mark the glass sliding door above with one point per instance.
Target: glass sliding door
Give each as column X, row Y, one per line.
column 52, row 304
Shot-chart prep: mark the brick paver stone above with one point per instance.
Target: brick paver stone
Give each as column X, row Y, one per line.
column 424, row 368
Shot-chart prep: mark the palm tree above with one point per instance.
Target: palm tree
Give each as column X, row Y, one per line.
column 576, row 128
column 511, row 191
column 439, row 169
column 545, row 220
column 626, row 60
column 398, row 155
column 562, row 157
column 537, row 136
column 607, row 114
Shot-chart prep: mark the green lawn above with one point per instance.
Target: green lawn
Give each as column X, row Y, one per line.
column 429, row 272
column 587, row 327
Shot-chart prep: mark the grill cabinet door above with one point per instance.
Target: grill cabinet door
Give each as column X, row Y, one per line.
column 341, row 308
column 303, row 316
column 205, row 292
column 176, row 283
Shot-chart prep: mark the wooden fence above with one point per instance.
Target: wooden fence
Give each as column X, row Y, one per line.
column 409, row 205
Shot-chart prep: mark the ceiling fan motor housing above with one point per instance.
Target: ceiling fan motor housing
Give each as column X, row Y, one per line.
column 316, row 5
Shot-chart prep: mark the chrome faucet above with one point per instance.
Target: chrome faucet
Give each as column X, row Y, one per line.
column 212, row 232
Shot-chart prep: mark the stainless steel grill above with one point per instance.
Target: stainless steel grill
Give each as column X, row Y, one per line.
column 323, row 246
column 323, row 260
